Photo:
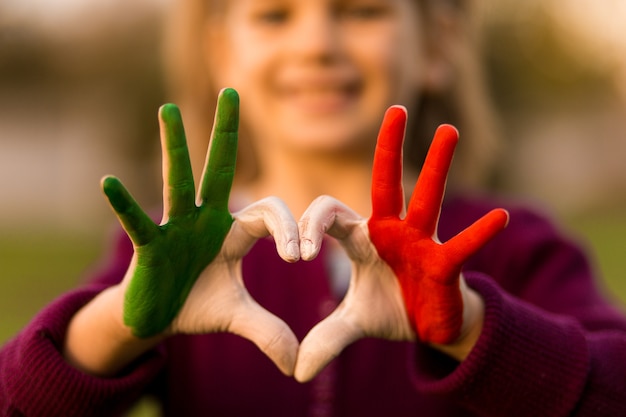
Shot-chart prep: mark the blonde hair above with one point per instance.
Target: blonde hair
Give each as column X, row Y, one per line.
column 465, row 103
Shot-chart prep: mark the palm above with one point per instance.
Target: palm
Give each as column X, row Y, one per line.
column 167, row 266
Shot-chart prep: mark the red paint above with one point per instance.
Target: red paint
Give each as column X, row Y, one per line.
column 428, row 271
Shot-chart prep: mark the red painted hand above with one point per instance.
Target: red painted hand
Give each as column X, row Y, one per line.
column 429, row 272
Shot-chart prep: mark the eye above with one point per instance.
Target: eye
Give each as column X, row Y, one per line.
column 272, row 16
column 364, row 11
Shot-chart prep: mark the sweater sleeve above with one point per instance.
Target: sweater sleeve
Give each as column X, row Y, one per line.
column 35, row 380
column 528, row 362
column 551, row 344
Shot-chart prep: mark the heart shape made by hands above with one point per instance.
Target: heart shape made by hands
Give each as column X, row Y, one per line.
column 185, row 276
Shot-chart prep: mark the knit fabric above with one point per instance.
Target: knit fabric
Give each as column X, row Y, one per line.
column 551, row 345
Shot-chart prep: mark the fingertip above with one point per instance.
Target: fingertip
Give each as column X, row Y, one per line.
column 168, row 111
column 394, row 123
column 229, row 94
column 504, row 216
column 107, row 180
column 308, row 250
column 498, row 217
column 292, row 251
column 313, row 357
column 309, row 362
column 227, row 114
column 117, row 195
column 448, row 129
column 287, row 365
column 396, row 110
column 447, row 132
column 110, row 184
column 303, row 373
column 268, row 332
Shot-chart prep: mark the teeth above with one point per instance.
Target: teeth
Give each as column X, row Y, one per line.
column 321, row 92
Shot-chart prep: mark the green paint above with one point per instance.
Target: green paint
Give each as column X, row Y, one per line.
column 170, row 257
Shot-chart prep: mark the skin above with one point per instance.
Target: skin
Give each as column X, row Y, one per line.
column 316, row 78
column 179, row 247
column 429, row 271
column 318, row 75
column 185, row 275
column 404, row 281
column 312, row 108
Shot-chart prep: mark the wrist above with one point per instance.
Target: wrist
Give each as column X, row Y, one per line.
column 473, row 318
column 98, row 342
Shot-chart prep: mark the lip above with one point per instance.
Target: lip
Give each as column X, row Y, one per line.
column 320, row 94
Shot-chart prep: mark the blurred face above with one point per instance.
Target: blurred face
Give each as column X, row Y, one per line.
column 318, row 75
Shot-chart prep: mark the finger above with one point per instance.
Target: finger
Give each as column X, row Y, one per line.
column 269, row 216
column 322, row 344
column 219, row 168
column 179, row 189
column 139, row 226
column 324, row 215
column 470, row 240
column 269, row 333
column 387, row 191
column 425, row 204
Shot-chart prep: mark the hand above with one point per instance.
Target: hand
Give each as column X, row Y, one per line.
column 373, row 305
column 398, row 266
column 429, row 272
column 185, row 276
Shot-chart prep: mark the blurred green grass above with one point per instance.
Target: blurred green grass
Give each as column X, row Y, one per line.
column 36, row 268
column 603, row 233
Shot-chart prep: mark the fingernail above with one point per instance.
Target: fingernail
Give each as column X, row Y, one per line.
column 306, row 249
column 293, row 250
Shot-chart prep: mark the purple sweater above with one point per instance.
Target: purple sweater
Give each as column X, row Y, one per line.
column 551, row 346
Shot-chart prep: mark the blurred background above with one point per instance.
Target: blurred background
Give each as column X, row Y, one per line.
column 80, row 84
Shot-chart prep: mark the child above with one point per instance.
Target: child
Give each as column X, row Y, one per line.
column 532, row 336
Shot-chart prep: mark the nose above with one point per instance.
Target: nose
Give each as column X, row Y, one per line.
column 316, row 35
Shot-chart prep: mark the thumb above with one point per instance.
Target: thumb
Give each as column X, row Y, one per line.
column 269, row 333
column 323, row 343
column 474, row 237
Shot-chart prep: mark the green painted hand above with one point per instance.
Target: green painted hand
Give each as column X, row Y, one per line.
column 185, row 276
